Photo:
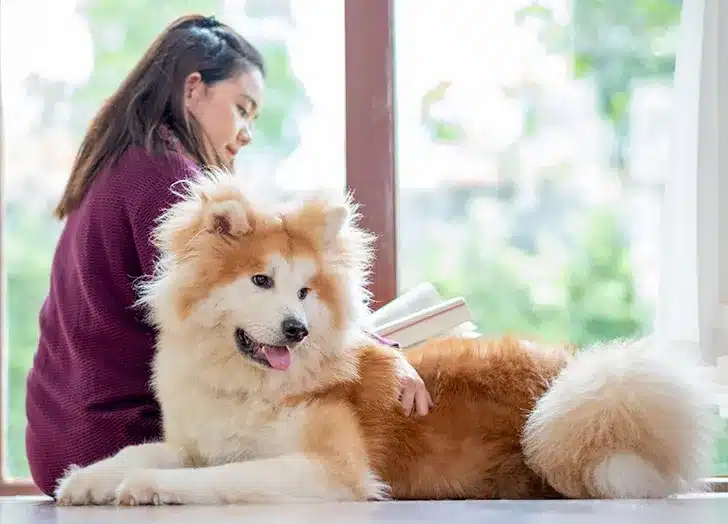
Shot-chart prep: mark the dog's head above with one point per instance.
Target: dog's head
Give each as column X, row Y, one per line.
column 258, row 287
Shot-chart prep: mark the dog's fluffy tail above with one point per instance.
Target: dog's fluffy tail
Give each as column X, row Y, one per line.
column 632, row 420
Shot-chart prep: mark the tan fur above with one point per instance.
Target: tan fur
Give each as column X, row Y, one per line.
column 508, row 422
column 469, row 446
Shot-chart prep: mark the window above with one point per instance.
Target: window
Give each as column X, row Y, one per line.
column 520, row 164
column 530, row 158
column 532, row 153
column 49, row 94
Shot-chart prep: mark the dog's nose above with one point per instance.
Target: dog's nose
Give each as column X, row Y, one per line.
column 294, row 330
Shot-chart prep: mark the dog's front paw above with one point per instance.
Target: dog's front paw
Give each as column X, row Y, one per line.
column 142, row 488
column 90, row 485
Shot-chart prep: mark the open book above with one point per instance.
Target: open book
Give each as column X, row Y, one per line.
column 420, row 314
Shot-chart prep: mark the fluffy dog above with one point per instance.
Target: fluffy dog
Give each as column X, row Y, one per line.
column 272, row 392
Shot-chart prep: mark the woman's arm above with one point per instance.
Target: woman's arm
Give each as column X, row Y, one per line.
column 413, row 392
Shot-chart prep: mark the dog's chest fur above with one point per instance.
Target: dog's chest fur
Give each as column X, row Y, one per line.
column 220, row 430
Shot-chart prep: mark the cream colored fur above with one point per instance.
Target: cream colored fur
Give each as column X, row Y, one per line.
column 630, row 420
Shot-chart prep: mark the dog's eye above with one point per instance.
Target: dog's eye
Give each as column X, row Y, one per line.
column 262, row 281
column 303, row 293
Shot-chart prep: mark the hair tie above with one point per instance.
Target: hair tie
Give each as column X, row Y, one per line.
column 209, row 22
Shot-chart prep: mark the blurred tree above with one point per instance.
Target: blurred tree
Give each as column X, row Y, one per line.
column 615, row 42
column 602, row 300
column 28, row 242
column 637, row 40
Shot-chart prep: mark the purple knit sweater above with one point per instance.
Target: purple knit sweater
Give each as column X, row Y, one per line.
column 88, row 389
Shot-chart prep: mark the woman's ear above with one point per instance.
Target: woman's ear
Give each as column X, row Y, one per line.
column 192, row 89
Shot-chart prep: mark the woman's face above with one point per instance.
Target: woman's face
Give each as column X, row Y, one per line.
column 226, row 110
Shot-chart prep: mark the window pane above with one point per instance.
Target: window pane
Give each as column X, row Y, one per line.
column 531, row 153
column 49, row 93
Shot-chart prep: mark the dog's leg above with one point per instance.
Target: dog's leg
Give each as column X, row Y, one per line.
column 97, row 483
column 332, row 465
column 290, row 478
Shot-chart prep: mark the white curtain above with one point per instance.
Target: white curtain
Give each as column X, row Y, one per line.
column 693, row 301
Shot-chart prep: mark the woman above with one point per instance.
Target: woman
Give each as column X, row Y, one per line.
column 189, row 102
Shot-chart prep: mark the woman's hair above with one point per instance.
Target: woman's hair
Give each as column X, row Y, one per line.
column 151, row 96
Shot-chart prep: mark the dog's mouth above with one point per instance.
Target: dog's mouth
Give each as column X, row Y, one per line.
column 275, row 357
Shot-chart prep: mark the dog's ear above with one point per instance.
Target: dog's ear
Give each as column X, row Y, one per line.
column 334, row 220
column 211, row 205
column 320, row 218
column 226, row 218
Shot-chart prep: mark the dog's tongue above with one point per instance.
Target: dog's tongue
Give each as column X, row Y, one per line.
column 277, row 356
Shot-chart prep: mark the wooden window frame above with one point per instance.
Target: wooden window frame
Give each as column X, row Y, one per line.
column 370, row 132
column 370, row 167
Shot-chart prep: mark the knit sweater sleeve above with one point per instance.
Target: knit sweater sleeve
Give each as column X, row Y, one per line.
column 155, row 194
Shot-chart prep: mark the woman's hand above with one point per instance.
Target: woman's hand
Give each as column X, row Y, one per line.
column 413, row 392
